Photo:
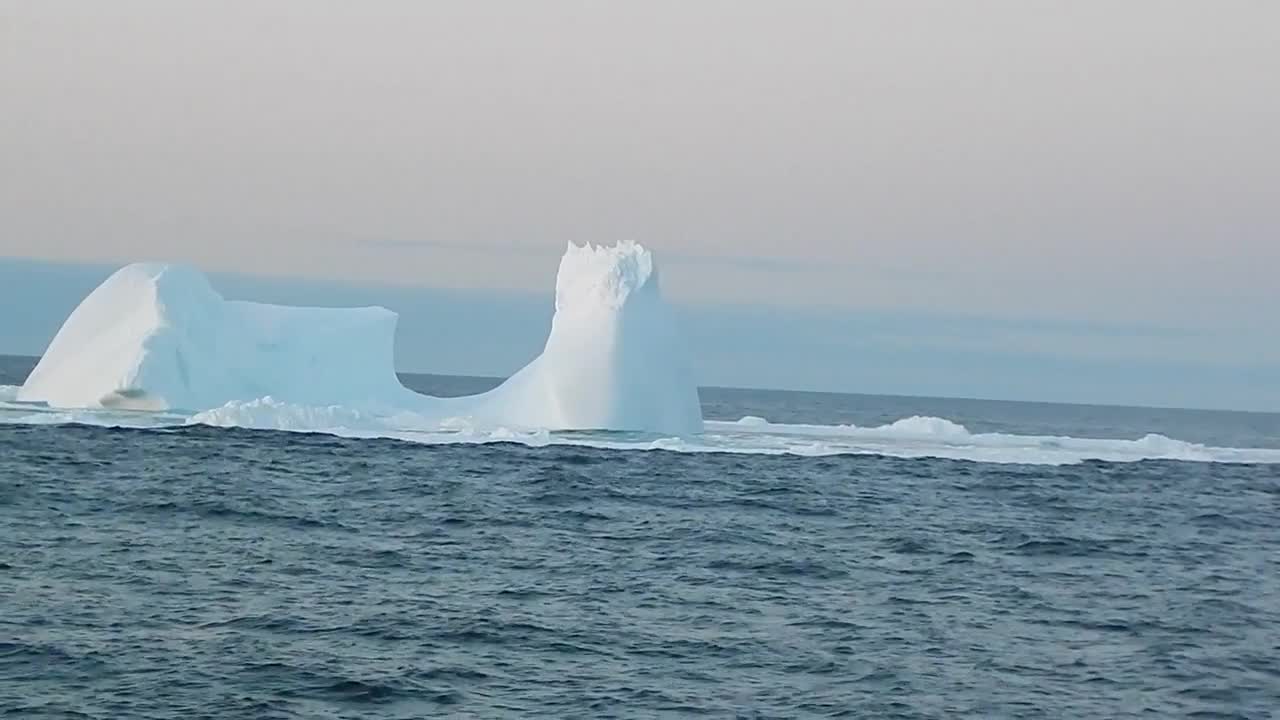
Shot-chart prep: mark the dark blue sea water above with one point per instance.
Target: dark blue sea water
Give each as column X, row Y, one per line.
column 193, row 572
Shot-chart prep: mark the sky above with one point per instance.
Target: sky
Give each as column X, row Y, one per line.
column 1001, row 198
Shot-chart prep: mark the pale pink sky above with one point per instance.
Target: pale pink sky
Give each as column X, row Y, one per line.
column 1081, row 160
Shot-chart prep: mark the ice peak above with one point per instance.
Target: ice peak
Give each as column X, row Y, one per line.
column 603, row 276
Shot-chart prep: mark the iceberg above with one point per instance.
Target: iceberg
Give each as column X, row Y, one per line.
column 156, row 337
column 159, row 337
column 613, row 359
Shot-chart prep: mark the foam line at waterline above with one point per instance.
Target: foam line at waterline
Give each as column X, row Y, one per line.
column 919, row 436
column 914, row 437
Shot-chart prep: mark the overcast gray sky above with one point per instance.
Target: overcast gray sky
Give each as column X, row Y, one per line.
column 1080, row 161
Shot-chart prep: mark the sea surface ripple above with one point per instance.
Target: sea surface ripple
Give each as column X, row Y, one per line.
column 205, row 572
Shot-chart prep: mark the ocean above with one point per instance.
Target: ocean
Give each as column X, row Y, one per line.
column 810, row 555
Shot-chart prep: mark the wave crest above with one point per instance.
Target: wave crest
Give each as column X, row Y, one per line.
column 926, row 436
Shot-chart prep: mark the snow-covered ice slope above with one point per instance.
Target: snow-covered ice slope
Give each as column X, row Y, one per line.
column 156, row 337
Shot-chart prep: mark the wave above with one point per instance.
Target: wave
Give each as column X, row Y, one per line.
column 912, row 437
column 921, row 436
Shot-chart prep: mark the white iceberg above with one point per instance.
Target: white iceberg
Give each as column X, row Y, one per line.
column 159, row 337
column 613, row 360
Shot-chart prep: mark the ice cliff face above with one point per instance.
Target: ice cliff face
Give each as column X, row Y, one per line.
column 155, row 337
column 614, row 358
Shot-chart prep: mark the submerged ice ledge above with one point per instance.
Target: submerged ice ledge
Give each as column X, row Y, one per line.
column 159, row 337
